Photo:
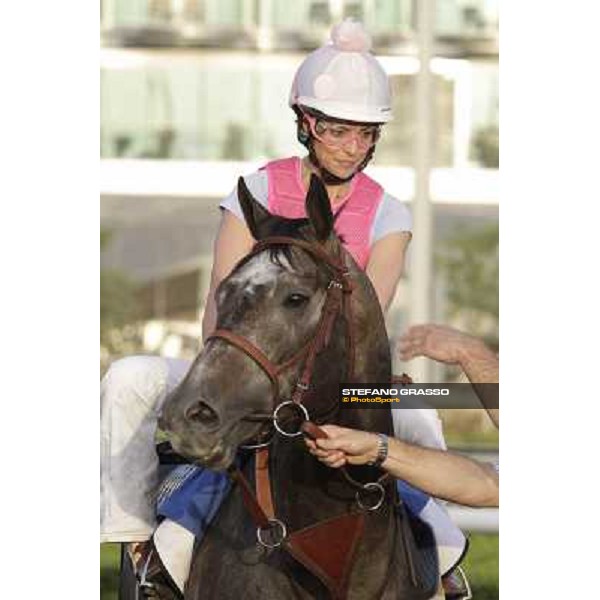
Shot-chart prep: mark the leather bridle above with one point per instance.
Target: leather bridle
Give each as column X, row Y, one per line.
column 306, row 545
column 337, row 303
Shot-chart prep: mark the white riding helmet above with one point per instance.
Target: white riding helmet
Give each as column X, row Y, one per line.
column 343, row 79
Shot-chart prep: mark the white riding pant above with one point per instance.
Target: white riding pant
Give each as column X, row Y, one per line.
column 132, row 394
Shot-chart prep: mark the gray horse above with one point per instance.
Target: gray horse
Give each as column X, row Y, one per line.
column 274, row 299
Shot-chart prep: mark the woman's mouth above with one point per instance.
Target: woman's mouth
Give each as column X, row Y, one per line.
column 346, row 164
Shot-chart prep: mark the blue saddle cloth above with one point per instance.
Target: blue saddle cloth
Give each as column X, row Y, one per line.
column 191, row 496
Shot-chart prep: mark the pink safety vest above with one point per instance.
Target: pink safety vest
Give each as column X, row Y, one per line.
column 357, row 210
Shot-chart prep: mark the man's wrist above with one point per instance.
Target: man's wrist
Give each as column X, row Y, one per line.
column 470, row 348
column 479, row 362
column 380, row 450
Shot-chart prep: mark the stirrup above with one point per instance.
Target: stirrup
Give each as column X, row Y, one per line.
column 456, row 586
column 153, row 580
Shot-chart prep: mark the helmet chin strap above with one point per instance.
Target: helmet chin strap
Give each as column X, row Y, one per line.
column 306, row 139
column 330, row 178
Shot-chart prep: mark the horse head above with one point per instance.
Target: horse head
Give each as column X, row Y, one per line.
column 269, row 310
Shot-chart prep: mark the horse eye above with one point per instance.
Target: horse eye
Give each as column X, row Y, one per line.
column 295, row 300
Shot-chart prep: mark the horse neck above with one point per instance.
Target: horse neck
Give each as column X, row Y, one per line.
column 372, row 361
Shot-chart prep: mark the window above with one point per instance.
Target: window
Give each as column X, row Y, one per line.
column 467, row 18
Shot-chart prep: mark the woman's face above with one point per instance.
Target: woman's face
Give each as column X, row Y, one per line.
column 341, row 148
column 341, row 161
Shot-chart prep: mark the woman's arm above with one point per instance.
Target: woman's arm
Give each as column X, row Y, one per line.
column 233, row 242
column 439, row 473
column 386, row 265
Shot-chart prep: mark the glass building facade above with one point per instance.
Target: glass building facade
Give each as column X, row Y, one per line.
column 195, row 21
column 233, row 106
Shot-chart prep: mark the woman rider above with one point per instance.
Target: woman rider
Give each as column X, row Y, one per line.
column 341, row 97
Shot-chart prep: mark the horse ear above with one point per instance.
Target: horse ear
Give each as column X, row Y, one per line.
column 255, row 214
column 318, row 209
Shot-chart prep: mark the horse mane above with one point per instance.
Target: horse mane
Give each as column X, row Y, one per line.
column 294, row 228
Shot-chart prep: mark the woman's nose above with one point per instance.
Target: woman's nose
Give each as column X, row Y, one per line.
column 351, row 147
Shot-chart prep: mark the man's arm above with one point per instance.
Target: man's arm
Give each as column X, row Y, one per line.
column 480, row 365
column 444, row 474
column 439, row 473
column 451, row 346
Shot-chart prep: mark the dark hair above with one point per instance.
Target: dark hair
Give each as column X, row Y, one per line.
column 305, row 138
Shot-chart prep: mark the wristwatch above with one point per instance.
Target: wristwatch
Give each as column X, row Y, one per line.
column 382, row 450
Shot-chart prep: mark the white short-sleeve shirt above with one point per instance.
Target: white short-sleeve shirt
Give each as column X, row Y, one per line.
column 392, row 215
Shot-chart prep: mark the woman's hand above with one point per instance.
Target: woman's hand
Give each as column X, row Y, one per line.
column 344, row 446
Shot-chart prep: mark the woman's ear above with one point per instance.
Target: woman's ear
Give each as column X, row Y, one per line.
column 257, row 217
column 303, row 131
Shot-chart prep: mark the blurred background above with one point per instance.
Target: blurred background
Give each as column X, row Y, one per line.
column 194, row 94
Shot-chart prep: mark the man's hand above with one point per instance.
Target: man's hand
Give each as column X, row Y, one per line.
column 439, row 473
column 344, row 446
column 450, row 346
column 437, row 342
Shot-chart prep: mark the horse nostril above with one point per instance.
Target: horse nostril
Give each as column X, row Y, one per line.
column 201, row 413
